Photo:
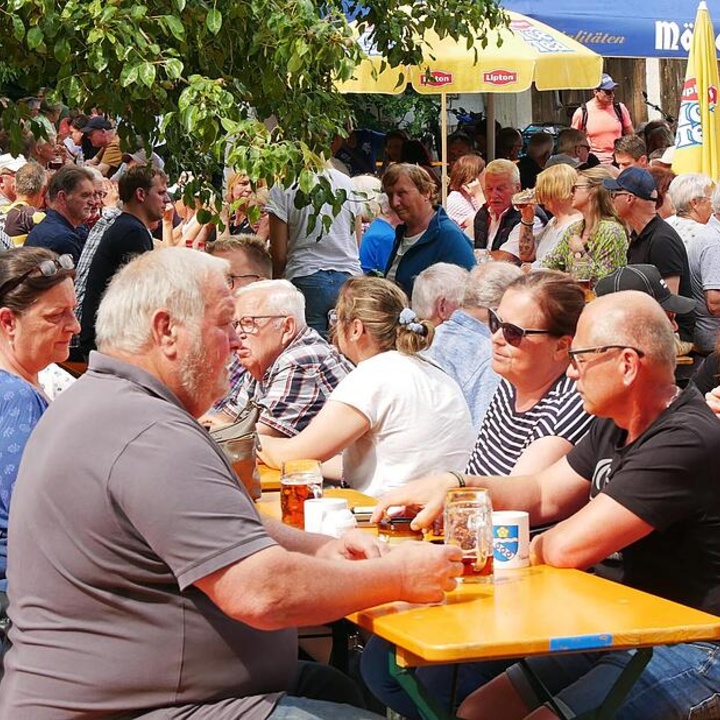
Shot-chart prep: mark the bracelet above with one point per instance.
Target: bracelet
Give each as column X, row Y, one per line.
column 530, row 224
column 458, row 476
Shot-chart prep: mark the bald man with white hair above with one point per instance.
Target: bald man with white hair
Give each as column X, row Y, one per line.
column 648, row 466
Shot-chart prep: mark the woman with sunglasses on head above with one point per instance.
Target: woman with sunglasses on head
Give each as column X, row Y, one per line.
column 599, row 240
column 396, row 415
column 37, row 320
column 536, row 415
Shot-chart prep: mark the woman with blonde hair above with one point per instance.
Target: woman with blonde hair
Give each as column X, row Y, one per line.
column 396, row 415
column 466, row 195
column 553, row 190
column 599, row 239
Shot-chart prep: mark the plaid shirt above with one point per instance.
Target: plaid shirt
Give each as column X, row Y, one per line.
column 295, row 386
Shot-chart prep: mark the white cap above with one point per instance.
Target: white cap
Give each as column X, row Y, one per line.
column 13, row 164
column 668, row 155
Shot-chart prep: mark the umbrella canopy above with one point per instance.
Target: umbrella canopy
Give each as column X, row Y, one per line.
column 506, row 60
column 697, row 140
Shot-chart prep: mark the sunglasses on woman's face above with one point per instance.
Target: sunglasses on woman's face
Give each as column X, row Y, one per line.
column 513, row 334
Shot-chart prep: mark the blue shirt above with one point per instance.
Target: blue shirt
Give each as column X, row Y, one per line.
column 21, row 406
column 56, row 233
column 377, row 242
column 462, row 348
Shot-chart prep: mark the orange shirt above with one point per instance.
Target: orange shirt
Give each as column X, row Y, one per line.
column 602, row 127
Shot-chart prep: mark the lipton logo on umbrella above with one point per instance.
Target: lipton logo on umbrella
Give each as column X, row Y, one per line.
column 712, row 98
column 689, row 91
column 500, row 77
column 437, row 78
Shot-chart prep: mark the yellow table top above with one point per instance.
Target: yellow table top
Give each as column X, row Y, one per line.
column 534, row 611
column 269, row 503
column 269, row 478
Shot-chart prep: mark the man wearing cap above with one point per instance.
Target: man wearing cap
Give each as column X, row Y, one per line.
column 9, row 165
column 139, row 157
column 603, row 120
column 99, row 132
column 652, row 240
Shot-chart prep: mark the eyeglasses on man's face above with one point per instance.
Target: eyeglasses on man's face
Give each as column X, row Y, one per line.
column 618, row 193
column 46, row 268
column 513, row 334
column 249, row 325
column 577, row 360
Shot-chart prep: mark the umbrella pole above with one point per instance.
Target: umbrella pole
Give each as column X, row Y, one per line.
column 443, row 145
column 490, row 120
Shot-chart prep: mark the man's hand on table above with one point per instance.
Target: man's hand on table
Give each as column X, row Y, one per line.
column 353, row 545
column 426, row 572
column 426, row 495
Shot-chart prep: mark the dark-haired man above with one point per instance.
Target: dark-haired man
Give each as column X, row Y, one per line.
column 143, row 191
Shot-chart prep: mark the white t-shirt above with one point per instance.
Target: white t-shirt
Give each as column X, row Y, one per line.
column 310, row 252
column 419, row 422
column 546, row 237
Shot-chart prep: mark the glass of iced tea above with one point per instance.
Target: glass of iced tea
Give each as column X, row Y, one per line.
column 468, row 524
column 300, row 481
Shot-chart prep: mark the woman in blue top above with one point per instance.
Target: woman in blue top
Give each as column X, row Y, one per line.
column 37, row 320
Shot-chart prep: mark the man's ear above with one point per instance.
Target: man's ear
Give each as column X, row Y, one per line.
column 289, row 330
column 164, row 332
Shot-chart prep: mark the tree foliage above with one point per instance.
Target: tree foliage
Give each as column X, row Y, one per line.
column 192, row 73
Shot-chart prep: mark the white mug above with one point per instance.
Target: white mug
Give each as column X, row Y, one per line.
column 316, row 509
column 511, row 539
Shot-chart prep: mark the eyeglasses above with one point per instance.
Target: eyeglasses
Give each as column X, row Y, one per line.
column 513, row 334
column 47, row 268
column 607, row 92
column 584, row 186
column 235, row 281
column 575, row 354
column 617, row 193
column 248, row 323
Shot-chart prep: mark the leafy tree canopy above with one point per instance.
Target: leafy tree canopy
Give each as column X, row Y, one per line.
column 192, row 73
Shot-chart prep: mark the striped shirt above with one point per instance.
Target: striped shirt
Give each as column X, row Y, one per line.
column 505, row 434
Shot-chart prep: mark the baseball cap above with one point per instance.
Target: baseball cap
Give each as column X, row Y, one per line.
column 606, row 83
column 647, row 279
column 97, row 123
column 636, row 181
column 139, row 156
column 10, row 163
column 668, row 155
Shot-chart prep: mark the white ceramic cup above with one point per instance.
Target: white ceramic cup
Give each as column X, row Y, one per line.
column 316, row 510
column 511, row 539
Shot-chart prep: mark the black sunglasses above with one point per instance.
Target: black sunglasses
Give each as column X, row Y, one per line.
column 513, row 334
column 47, row 268
column 575, row 354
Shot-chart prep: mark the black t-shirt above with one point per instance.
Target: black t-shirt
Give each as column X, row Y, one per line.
column 670, row 478
column 707, row 376
column 124, row 239
column 658, row 244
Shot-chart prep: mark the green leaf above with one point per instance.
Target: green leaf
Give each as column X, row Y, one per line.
column 129, row 75
column 138, row 12
column 176, row 27
column 214, row 21
column 173, row 68
column 62, row 50
column 203, row 216
column 34, row 37
column 146, row 73
column 180, row 5
column 18, row 28
column 307, row 181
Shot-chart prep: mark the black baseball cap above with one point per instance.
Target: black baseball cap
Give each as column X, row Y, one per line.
column 647, row 279
column 637, row 181
column 97, row 123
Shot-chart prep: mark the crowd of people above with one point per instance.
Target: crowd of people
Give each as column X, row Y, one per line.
column 409, row 347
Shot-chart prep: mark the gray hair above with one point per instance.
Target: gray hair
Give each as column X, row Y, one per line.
column 439, row 281
column 365, row 199
column 487, row 284
column 716, row 199
column 281, row 298
column 175, row 279
column 686, row 187
column 503, row 168
column 97, row 176
column 30, row 179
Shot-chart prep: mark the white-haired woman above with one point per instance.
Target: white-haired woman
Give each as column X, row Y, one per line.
column 396, row 414
column 691, row 194
column 438, row 292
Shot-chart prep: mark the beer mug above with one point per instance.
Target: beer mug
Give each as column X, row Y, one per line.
column 300, row 481
column 241, row 452
column 524, row 197
column 468, row 524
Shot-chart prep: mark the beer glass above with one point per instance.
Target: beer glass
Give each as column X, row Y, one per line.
column 300, row 481
column 468, row 524
column 241, row 453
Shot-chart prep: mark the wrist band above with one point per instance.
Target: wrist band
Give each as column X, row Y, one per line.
column 530, row 224
column 458, row 476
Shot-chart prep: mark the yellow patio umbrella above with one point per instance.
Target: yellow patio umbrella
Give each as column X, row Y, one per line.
column 502, row 60
column 697, row 139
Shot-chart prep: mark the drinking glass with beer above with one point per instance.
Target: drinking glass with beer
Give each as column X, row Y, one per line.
column 300, row 481
column 468, row 524
column 242, row 454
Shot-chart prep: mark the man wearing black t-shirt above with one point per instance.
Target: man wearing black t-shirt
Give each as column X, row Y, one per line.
column 143, row 191
column 652, row 240
column 649, row 467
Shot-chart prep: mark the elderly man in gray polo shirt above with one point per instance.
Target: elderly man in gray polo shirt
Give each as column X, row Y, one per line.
column 143, row 582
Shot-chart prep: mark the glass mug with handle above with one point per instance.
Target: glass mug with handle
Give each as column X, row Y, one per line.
column 300, row 480
column 468, row 524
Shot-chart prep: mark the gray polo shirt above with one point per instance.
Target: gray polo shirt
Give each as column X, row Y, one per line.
column 122, row 503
